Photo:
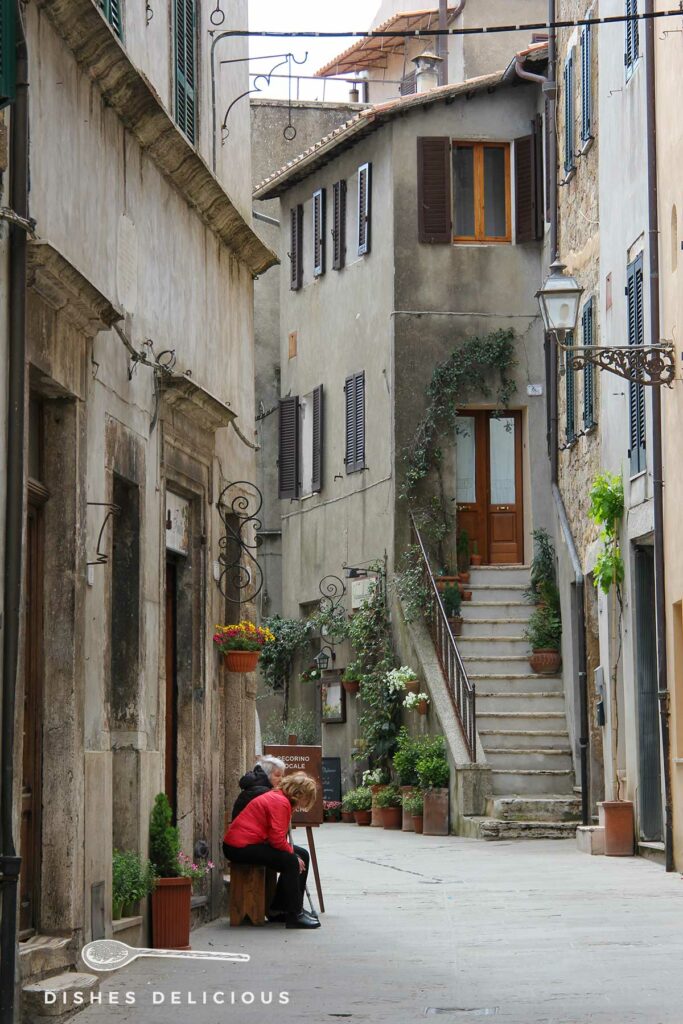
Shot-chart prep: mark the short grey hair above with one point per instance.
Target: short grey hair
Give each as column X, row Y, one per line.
column 269, row 764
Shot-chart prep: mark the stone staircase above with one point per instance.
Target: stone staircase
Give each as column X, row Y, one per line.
column 52, row 987
column 520, row 715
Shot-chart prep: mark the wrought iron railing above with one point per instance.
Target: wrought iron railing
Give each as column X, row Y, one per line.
column 461, row 690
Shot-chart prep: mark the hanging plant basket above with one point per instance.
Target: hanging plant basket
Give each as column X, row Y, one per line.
column 351, row 685
column 422, row 707
column 412, row 686
column 241, row 661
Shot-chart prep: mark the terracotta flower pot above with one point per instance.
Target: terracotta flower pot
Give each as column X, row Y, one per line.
column 456, row 625
column 619, row 829
column 423, row 707
column 407, row 820
column 475, row 560
column 464, row 577
column 376, row 816
column 391, row 817
column 351, row 685
column 171, row 903
column 467, row 595
column 436, row 812
column 412, row 686
column 417, row 823
column 444, row 581
column 241, row 661
column 363, row 817
column 348, row 817
column 545, row 662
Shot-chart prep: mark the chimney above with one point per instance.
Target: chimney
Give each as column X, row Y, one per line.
column 354, row 95
column 427, row 71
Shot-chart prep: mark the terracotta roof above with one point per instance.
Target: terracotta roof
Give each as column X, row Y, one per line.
column 372, row 52
column 368, row 120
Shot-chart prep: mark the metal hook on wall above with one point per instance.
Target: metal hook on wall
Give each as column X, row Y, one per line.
column 101, row 557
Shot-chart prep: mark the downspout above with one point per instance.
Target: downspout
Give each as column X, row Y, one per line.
column 657, row 468
column 442, row 40
column 579, row 609
column 9, row 862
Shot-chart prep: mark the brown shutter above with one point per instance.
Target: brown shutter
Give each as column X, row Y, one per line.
column 338, row 225
column 434, row 209
column 317, row 471
column 364, row 208
column 288, row 448
column 296, row 247
column 319, row 204
column 549, row 127
column 526, row 189
column 537, row 124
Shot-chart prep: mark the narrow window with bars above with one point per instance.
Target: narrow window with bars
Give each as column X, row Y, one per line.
column 636, row 336
column 296, row 247
column 632, row 48
column 338, row 225
column 569, row 158
column 354, row 393
column 588, row 370
column 364, row 208
column 586, row 85
column 319, row 236
column 112, row 12
column 570, row 390
column 185, row 32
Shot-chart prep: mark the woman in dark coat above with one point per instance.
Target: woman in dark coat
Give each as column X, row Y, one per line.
column 266, row 775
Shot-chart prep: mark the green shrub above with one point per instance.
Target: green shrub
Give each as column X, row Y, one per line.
column 413, row 803
column 432, row 765
column 389, row 797
column 363, row 799
column 452, row 599
column 544, row 629
column 132, row 878
column 406, row 756
column 164, row 840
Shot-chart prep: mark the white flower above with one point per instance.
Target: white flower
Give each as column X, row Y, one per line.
column 413, row 699
column 398, row 677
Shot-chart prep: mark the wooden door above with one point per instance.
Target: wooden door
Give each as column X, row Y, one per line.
column 171, row 752
column 489, row 484
column 32, row 737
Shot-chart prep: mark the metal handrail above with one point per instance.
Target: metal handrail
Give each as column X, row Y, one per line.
column 461, row 690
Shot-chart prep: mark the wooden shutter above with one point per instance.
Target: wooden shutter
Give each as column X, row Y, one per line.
column 570, row 390
column 296, row 263
column 112, row 12
column 360, row 420
column 364, row 208
column 288, row 448
column 434, row 206
column 549, row 121
column 319, row 205
column 8, row 48
column 354, row 391
column 317, row 469
column 586, row 84
column 569, row 114
column 589, row 369
column 185, row 29
column 636, row 336
column 338, row 225
column 632, row 40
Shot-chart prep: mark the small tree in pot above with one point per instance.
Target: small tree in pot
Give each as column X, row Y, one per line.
column 413, row 805
column 433, row 773
column 172, row 896
column 390, row 805
column 452, row 601
column 544, row 634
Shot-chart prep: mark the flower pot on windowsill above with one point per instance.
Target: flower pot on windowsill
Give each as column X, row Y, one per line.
column 351, row 685
column 171, row 905
column 456, row 625
column 241, row 661
column 363, row 817
column 418, row 821
column 546, row 662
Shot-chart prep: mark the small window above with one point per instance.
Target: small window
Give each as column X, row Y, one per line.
column 481, row 192
column 569, row 158
column 364, row 208
column 586, row 85
column 319, row 237
column 112, row 12
column 185, row 29
column 588, row 369
column 631, row 51
column 354, row 392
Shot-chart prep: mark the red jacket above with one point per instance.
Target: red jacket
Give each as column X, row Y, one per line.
column 264, row 820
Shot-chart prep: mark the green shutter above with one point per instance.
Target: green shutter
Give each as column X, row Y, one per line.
column 586, row 90
column 632, row 41
column 8, row 56
column 570, row 391
column 185, row 37
column 636, row 336
column 588, row 369
column 569, row 115
column 112, row 12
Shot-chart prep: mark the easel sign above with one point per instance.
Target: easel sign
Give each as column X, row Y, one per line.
column 303, row 759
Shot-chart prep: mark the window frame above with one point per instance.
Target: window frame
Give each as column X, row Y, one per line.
column 479, row 238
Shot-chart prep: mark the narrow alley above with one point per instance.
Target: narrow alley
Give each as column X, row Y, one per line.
column 420, row 926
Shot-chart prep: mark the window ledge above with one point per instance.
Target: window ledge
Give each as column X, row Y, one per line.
column 128, row 92
column 638, row 476
column 568, row 176
column 587, row 145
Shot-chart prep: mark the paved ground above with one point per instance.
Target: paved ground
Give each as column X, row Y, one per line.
column 417, row 926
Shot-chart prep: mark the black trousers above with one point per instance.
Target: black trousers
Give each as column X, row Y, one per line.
column 291, row 884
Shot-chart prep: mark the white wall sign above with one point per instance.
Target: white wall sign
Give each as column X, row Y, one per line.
column 360, row 591
column 534, row 389
column 177, row 524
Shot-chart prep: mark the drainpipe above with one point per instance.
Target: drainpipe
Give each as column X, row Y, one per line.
column 9, row 862
column 442, row 40
column 657, row 480
column 579, row 609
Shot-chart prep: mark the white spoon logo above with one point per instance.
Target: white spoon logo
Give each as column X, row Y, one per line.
column 110, row 954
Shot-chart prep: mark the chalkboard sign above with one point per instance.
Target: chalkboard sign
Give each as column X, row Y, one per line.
column 332, row 778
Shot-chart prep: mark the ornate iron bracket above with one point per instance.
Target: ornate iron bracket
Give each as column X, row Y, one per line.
column 640, row 364
column 101, row 557
column 288, row 59
column 333, row 590
column 241, row 576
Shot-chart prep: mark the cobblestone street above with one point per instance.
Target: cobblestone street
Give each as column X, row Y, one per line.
column 420, row 926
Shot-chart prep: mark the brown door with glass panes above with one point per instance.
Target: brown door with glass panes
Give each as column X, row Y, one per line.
column 488, row 474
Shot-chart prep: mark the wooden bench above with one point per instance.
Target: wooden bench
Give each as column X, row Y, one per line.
column 252, row 888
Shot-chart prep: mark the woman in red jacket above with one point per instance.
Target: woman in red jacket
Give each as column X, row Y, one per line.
column 258, row 835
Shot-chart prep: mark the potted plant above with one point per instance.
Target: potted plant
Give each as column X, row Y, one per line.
column 376, row 779
column 402, row 679
column 417, row 702
column 332, row 810
column 362, row 805
column 413, row 805
column 433, row 773
column 389, row 802
column 347, row 807
column 351, row 678
column 241, row 644
column 463, row 550
column 405, row 758
column 452, row 601
column 132, row 880
column 543, row 634
column 311, row 675
column 475, row 557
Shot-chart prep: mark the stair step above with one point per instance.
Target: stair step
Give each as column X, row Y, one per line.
column 554, row 807
column 495, row 829
column 528, row 738
column 532, row 781
column 516, row 684
column 487, row 592
column 488, row 609
column 490, row 628
column 479, row 645
column 44, row 954
column 504, row 573
column 524, row 758
column 66, row 986
column 523, row 702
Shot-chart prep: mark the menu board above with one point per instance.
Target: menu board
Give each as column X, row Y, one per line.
column 332, row 778
column 302, row 759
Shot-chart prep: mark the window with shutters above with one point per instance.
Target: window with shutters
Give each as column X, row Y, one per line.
column 588, row 370
column 364, row 208
column 354, row 394
column 586, row 85
column 300, row 448
column 636, row 336
column 185, row 31
column 296, row 247
column 631, row 49
column 570, row 390
column 569, row 155
column 338, row 225
column 112, row 12
column 319, row 209
column 481, row 192
column 529, row 185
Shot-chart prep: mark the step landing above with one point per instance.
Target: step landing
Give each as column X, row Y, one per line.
column 494, row 829
column 60, row 996
column 42, row 955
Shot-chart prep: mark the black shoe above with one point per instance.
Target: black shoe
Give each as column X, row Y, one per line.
column 302, row 920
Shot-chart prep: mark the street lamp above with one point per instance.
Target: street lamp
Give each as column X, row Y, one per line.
column 322, row 659
column 559, row 301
